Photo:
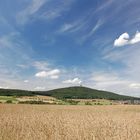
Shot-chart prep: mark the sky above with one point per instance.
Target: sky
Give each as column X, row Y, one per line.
column 48, row 44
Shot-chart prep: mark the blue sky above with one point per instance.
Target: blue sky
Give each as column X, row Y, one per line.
column 47, row 44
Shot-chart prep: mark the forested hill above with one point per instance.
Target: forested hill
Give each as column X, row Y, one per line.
column 85, row 93
column 69, row 93
column 16, row 92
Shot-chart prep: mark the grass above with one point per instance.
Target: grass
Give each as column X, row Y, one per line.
column 8, row 98
column 51, row 122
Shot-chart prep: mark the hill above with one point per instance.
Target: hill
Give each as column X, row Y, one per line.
column 69, row 93
column 16, row 92
column 84, row 93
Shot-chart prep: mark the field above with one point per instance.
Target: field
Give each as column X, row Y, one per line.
column 57, row 122
column 52, row 100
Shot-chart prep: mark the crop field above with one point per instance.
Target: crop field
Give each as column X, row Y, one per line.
column 61, row 122
column 52, row 100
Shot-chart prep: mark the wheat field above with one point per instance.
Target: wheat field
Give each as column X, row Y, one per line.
column 53, row 122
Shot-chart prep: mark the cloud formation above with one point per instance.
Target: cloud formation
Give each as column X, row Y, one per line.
column 135, row 85
column 26, row 81
column 52, row 74
column 124, row 39
column 136, row 38
column 73, row 81
column 33, row 10
column 40, row 88
column 41, row 65
column 24, row 15
column 4, row 87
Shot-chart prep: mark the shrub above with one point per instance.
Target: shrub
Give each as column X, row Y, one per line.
column 88, row 103
column 99, row 103
column 9, row 101
column 35, row 102
column 72, row 102
column 59, row 103
column 32, row 102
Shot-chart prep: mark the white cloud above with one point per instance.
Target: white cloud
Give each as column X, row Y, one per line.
column 32, row 8
column 73, row 81
column 10, row 40
column 105, row 5
column 67, row 27
column 52, row 10
column 52, row 74
column 56, row 9
column 41, row 65
column 4, row 87
column 113, row 82
column 16, row 44
column 96, row 27
column 22, row 66
column 104, row 77
column 26, row 81
column 40, row 88
column 74, row 26
column 124, row 39
column 136, row 38
column 135, row 85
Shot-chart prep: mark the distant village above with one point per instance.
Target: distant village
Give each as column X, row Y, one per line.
column 129, row 102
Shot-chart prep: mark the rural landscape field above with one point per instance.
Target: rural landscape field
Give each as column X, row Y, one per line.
column 55, row 122
column 72, row 113
column 69, row 69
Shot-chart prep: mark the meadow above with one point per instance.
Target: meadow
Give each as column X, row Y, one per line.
column 63, row 122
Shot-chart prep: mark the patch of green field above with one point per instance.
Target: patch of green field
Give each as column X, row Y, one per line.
column 8, row 98
column 13, row 99
column 61, row 102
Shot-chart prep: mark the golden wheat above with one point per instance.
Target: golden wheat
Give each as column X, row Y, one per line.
column 44, row 122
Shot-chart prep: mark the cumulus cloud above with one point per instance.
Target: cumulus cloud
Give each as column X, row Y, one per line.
column 52, row 74
column 73, row 81
column 136, row 38
column 124, row 39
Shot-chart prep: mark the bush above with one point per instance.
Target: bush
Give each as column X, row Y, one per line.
column 72, row 102
column 32, row 102
column 36, row 102
column 88, row 103
column 99, row 104
column 59, row 103
column 9, row 101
